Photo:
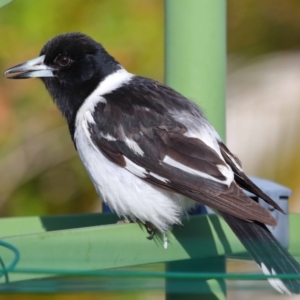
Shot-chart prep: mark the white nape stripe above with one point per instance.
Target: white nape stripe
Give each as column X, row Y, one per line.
column 170, row 161
column 111, row 83
column 133, row 146
column 108, row 84
column 276, row 283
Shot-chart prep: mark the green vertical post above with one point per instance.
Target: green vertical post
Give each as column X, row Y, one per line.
column 195, row 54
column 195, row 66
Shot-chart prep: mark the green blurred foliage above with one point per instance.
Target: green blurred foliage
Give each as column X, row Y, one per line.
column 4, row 2
column 38, row 164
column 257, row 27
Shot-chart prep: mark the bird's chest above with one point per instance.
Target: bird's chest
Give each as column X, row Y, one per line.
column 120, row 189
column 106, row 176
column 124, row 192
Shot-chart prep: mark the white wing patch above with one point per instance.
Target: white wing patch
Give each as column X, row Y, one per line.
column 225, row 171
column 159, row 177
column 134, row 146
column 198, row 127
column 134, row 168
column 88, row 118
column 108, row 137
column 233, row 159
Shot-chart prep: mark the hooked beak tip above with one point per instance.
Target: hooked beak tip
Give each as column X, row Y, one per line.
column 30, row 69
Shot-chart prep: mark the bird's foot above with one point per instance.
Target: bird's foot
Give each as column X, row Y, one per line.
column 150, row 229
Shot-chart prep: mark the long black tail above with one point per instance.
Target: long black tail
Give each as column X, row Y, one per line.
column 267, row 252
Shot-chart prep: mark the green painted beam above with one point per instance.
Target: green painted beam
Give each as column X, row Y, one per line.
column 28, row 225
column 195, row 54
column 115, row 246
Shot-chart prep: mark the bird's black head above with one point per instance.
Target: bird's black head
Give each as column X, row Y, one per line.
column 71, row 66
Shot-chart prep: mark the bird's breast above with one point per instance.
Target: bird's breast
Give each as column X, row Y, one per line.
column 125, row 193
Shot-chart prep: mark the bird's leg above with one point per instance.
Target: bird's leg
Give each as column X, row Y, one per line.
column 149, row 226
column 150, row 229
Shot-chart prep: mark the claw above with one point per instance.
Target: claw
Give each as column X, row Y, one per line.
column 151, row 230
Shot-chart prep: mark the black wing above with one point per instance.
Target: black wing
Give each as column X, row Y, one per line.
column 242, row 180
column 136, row 130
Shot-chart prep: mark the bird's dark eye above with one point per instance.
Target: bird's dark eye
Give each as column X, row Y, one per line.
column 63, row 61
